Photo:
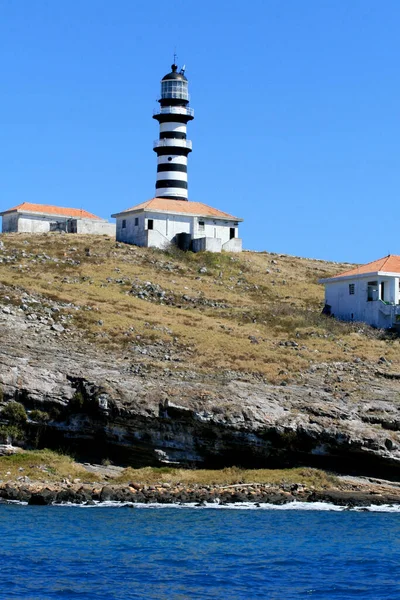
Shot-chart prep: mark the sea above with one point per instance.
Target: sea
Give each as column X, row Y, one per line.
column 108, row 552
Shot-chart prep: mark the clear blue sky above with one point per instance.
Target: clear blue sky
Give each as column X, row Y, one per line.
column 296, row 104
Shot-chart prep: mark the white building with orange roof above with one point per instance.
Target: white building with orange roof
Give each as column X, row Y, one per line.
column 42, row 218
column 190, row 225
column 170, row 217
column 368, row 293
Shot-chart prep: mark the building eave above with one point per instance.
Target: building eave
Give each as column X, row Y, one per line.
column 180, row 214
column 359, row 276
column 7, row 212
column 43, row 214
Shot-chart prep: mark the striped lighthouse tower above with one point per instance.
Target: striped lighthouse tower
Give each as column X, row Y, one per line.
column 172, row 147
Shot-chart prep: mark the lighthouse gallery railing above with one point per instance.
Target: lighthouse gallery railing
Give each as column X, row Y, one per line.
column 174, row 110
column 173, row 143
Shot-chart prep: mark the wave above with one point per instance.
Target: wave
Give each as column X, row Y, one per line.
column 314, row 506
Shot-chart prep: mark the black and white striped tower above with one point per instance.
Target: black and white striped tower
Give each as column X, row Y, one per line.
column 172, row 147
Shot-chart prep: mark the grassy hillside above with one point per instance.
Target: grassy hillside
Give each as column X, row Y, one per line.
column 258, row 314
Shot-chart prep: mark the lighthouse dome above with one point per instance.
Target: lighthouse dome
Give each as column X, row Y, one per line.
column 174, row 74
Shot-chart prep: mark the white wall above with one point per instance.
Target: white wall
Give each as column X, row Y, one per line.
column 233, row 245
column 169, row 225
column 175, row 160
column 356, row 307
column 216, row 228
column 10, row 223
column 172, row 126
column 207, row 244
column 43, row 224
column 92, row 226
column 37, row 224
column 131, row 233
column 178, row 175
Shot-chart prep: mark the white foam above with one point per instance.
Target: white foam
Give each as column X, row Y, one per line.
column 319, row 506
column 382, row 508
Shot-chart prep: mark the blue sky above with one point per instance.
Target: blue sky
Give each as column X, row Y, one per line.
column 296, row 113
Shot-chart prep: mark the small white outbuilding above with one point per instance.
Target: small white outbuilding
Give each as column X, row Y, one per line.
column 368, row 293
column 190, row 225
column 42, row 218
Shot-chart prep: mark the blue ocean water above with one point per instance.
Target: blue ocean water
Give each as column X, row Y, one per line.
column 179, row 553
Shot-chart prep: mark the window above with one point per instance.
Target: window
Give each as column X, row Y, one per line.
column 136, row 221
column 150, row 223
column 372, row 291
column 351, row 289
column 174, row 89
column 201, row 225
column 123, row 223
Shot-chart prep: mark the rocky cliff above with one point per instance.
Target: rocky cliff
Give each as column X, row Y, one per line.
column 101, row 408
column 113, row 402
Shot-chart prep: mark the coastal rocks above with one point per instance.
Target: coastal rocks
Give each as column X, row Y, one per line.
column 14, row 492
column 43, row 498
column 73, row 496
column 364, row 495
column 354, row 498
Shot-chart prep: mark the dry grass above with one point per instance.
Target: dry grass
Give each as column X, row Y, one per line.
column 229, row 476
column 268, row 299
column 49, row 466
column 43, row 465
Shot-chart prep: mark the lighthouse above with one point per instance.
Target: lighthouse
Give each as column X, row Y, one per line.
column 169, row 217
column 173, row 147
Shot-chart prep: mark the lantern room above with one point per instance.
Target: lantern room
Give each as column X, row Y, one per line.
column 174, row 86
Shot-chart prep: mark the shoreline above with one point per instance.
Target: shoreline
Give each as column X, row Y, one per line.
column 257, row 495
column 290, row 506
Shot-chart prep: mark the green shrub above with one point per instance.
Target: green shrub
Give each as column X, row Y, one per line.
column 39, row 416
column 55, row 413
column 11, row 433
column 77, row 401
column 14, row 413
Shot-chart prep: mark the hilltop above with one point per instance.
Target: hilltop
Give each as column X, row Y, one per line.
column 252, row 313
column 149, row 357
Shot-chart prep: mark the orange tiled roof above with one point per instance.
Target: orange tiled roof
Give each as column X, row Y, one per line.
column 181, row 206
column 388, row 264
column 47, row 209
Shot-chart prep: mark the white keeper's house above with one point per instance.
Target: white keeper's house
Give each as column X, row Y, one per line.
column 368, row 293
column 170, row 217
column 189, row 225
column 42, row 218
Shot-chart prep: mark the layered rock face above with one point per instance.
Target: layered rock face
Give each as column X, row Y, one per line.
column 103, row 405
